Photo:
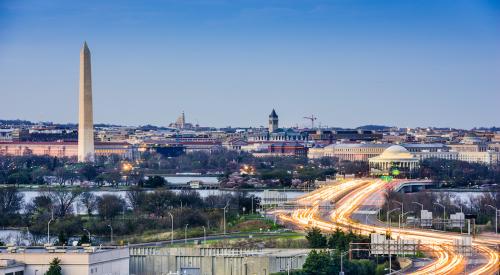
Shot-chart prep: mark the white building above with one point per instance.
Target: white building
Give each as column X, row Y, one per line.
column 74, row 261
column 395, row 156
column 348, row 151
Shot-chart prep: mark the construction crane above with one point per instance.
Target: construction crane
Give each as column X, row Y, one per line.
column 312, row 118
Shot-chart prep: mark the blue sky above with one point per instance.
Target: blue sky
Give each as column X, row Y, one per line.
column 403, row 62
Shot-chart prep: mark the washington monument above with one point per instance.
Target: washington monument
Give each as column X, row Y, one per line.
column 85, row 116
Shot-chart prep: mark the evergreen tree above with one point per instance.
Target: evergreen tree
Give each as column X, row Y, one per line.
column 55, row 268
column 315, row 238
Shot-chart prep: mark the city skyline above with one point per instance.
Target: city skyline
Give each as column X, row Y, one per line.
column 233, row 63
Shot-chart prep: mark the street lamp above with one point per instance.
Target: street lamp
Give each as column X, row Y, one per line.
column 421, row 205
column 252, row 204
column 388, row 217
column 185, row 233
column 402, row 209
column 48, row 229
column 389, row 242
column 111, row 228
column 204, row 235
column 496, row 217
column 342, row 262
column 444, row 214
column 172, row 232
column 400, row 203
column 421, row 209
column 401, row 217
column 461, row 220
column 225, row 207
column 90, row 240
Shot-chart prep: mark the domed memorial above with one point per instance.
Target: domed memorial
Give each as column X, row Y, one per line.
column 395, row 160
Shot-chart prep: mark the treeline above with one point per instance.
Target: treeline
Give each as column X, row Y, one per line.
column 140, row 211
column 17, row 170
column 455, row 173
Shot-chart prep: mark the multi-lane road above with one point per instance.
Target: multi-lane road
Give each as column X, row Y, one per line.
column 349, row 196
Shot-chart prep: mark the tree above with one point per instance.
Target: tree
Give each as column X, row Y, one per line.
column 136, row 197
column 109, row 206
column 88, row 172
column 89, row 200
column 154, row 182
column 84, row 239
column 315, row 238
column 63, row 200
column 10, row 200
column 112, row 177
column 55, row 267
column 64, row 175
column 319, row 263
column 157, row 202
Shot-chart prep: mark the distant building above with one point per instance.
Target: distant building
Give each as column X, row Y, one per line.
column 181, row 123
column 394, row 157
column 234, row 144
column 328, row 136
column 62, row 149
column 283, row 150
column 6, row 134
column 348, row 151
column 273, row 122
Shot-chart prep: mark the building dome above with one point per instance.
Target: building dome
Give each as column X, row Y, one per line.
column 396, row 152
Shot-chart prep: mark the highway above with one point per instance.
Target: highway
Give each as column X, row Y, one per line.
column 346, row 203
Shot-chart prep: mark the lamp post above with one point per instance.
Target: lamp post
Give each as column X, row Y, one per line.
column 225, row 207
column 204, row 235
column 48, row 229
column 401, row 216
column 388, row 217
column 185, row 233
column 172, row 230
column 342, row 254
column 111, row 228
column 402, row 211
column 461, row 220
column 389, row 241
column 496, row 217
column 421, row 209
column 444, row 214
column 90, row 240
column 252, row 204
column 421, row 205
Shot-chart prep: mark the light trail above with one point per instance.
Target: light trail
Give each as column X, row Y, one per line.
column 447, row 261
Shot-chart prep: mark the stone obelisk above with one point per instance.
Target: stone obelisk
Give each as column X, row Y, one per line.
column 85, row 115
